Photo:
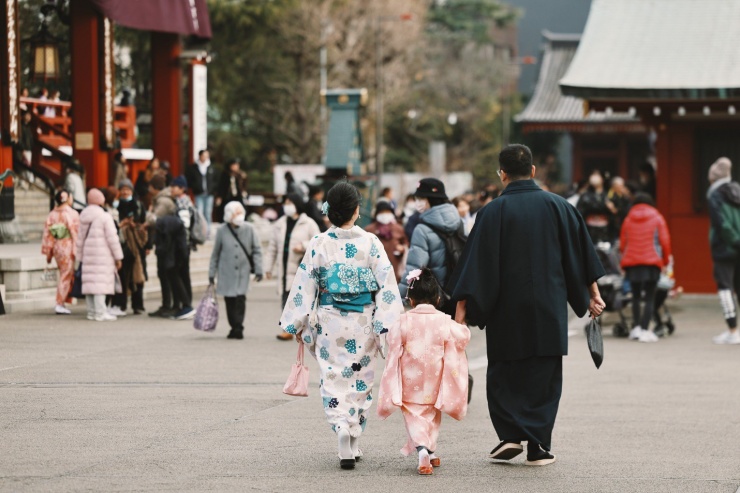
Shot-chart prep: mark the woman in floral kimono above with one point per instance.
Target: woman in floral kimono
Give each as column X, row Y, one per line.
column 427, row 370
column 347, row 287
column 59, row 240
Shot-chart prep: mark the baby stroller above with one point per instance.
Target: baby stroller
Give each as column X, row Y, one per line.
column 617, row 294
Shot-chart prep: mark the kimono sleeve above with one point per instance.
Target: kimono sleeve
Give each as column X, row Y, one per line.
column 453, row 390
column 302, row 298
column 390, row 393
column 388, row 305
column 47, row 241
column 581, row 265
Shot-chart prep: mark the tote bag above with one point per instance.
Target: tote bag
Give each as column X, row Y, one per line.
column 595, row 341
column 297, row 384
column 206, row 315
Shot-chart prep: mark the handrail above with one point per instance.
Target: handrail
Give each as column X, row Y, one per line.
column 19, row 166
column 47, row 128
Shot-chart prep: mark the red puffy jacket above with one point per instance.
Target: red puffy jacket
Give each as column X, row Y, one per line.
column 644, row 239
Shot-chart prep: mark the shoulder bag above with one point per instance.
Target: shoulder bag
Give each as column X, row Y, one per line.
column 246, row 252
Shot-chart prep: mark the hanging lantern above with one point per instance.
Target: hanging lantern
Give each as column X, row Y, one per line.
column 45, row 52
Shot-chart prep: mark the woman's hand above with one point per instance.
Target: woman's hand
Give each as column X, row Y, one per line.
column 119, row 264
column 268, row 275
column 597, row 305
column 299, row 249
column 461, row 311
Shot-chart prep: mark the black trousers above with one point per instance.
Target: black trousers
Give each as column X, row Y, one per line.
column 523, row 398
column 180, row 298
column 236, row 308
column 137, row 290
column 164, row 283
column 643, row 293
column 727, row 277
column 185, row 277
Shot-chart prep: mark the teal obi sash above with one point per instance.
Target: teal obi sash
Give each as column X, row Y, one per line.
column 346, row 287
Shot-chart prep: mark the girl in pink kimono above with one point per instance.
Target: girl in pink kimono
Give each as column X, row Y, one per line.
column 427, row 370
column 58, row 241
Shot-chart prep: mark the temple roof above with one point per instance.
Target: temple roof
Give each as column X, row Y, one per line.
column 548, row 105
column 658, row 49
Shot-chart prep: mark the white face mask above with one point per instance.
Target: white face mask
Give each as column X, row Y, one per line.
column 421, row 205
column 385, row 217
column 289, row 210
column 237, row 220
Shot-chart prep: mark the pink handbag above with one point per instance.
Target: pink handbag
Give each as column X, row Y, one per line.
column 297, row 384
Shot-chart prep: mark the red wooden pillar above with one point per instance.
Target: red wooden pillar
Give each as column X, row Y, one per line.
column 85, row 34
column 9, row 84
column 167, row 99
column 663, row 160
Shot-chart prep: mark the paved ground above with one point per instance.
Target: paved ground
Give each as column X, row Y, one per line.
column 153, row 405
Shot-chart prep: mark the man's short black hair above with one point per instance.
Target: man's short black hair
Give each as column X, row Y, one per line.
column 516, row 161
column 200, row 152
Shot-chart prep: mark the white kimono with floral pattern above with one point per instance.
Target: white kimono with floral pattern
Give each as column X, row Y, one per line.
column 352, row 265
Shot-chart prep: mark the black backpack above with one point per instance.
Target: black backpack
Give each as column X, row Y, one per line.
column 454, row 245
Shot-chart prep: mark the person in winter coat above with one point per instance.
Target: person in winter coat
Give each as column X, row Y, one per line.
column 172, row 253
column 231, row 186
column 724, row 239
column 291, row 235
column 427, row 247
column 59, row 241
column 390, row 234
column 74, row 183
column 646, row 249
column 134, row 241
column 99, row 252
column 596, row 209
column 201, row 177
column 235, row 254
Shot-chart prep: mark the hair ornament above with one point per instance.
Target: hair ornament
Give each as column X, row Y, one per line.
column 325, row 208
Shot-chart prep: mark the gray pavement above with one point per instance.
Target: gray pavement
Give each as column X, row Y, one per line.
column 153, row 405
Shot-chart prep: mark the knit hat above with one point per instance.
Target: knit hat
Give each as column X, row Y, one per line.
column 125, row 183
column 95, row 197
column 157, row 182
column 722, row 168
column 181, row 182
column 431, row 188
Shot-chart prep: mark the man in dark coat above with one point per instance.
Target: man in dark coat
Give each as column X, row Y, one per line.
column 528, row 256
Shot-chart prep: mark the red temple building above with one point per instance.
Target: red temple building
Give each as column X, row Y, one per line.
column 676, row 66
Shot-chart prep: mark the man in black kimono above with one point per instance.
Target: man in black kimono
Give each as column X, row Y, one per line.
column 528, row 256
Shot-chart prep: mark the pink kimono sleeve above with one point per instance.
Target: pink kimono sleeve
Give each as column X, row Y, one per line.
column 389, row 395
column 453, row 390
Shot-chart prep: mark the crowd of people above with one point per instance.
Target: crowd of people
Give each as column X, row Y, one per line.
column 471, row 260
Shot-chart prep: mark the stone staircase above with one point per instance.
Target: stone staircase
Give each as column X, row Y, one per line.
column 22, row 267
column 31, row 209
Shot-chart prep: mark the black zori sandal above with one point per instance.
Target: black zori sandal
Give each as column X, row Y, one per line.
column 506, row 451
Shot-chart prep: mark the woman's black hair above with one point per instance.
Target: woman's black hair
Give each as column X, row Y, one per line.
column 425, row 289
column 343, row 199
column 643, row 198
column 61, row 197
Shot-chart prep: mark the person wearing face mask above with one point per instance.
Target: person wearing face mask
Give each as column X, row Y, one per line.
column 410, row 216
column 436, row 216
column 236, row 253
column 134, row 242
column 597, row 210
column 291, row 235
column 391, row 235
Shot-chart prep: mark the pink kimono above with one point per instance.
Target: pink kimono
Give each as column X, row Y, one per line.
column 59, row 239
column 426, row 374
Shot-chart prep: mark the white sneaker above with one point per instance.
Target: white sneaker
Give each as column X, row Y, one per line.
column 116, row 311
column 90, row 316
column 105, row 317
column 648, row 336
column 61, row 310
column 635, row 333
column 727, row 337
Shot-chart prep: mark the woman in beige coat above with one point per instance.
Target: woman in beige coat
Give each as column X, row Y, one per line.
column 289, row 241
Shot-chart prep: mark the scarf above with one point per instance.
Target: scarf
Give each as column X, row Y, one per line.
column 136, row 239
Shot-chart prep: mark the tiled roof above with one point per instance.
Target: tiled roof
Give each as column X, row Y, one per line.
column 548, row 105
column 658, row 49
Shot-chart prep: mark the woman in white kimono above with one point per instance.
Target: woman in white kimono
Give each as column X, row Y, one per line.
column 347, row 287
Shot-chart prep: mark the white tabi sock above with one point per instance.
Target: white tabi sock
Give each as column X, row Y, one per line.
column 345, row 449
column 423, row 457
